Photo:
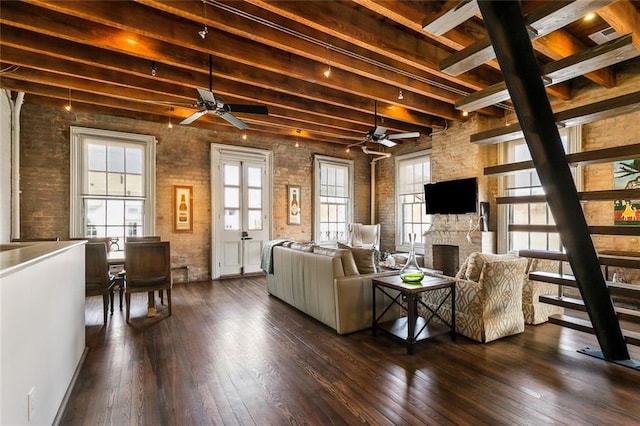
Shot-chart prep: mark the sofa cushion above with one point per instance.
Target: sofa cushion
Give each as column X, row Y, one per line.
column 348, row 262
column 365, row 258
column 476, row 261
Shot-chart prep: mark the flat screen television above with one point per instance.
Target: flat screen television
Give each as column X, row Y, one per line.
column 452, row 196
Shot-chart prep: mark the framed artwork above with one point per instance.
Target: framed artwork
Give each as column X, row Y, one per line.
column 182, row 208
column 626, row 175
column 293, row 198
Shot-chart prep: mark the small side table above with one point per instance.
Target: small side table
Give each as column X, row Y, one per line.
column 413, row 328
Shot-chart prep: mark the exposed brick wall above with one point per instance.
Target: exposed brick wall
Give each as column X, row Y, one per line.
column 182, row 158
column 453, row 157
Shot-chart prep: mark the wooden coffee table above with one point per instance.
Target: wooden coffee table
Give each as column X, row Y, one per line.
column 413, row 328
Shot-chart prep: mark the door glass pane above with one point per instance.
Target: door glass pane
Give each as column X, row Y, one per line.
column 232, row 197
column 232, row 219
column 231, row 175
column 254, row 177
column 255, row 220
column 254, row 197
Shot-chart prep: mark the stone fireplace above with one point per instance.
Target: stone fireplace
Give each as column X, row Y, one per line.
column 452, row 230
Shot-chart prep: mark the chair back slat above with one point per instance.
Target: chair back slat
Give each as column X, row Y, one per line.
column 148, row 263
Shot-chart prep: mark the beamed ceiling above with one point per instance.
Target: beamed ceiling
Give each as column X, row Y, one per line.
column 99, row 55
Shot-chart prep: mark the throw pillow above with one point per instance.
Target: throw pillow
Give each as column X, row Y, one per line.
column 348, row 262
column 365, row 258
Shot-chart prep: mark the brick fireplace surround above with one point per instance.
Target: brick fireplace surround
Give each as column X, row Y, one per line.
column 452, row 230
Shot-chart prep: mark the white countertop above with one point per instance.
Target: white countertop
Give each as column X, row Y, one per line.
column 16, row 256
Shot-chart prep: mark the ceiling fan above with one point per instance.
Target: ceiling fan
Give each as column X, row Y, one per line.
column 378, row 133
column 214, row 104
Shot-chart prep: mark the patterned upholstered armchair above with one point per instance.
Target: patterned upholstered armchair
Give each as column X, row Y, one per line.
column 534, row 311
column 488, row 296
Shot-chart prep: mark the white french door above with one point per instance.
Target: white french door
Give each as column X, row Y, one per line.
column 241, row 184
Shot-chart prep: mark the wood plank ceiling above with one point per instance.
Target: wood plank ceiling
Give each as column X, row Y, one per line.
column 99, row 55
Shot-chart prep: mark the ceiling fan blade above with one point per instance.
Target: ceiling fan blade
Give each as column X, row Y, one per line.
column 233, row 120
column 251, row 109
column 206, row 95
column 193, row 117
column 386, row 142
column 404, row 135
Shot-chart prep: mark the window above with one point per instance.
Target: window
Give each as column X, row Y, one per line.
column 528, row 183
column 112, row 184
column 333, row 181
column 413, row 171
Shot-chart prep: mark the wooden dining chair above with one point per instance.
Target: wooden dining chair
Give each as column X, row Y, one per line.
column 148, row 268
column 146, row 239
column 98, row 281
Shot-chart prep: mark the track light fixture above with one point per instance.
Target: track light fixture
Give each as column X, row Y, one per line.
column 327, row 71
column 154, row 69
column 400, row 95
column 68, row 106
column 170, row 125
column 204, row 32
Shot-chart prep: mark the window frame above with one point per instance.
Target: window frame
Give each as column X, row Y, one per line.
column 574, row 145
column 78, row 135
column 400, row 160
column 318, row 162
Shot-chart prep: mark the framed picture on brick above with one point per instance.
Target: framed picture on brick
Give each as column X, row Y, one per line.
column 293, row 197
column 182, row 208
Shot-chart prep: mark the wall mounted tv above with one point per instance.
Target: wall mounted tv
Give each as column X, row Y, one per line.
column 452, row 196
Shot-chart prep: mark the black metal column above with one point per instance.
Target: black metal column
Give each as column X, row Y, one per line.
column 506, row 28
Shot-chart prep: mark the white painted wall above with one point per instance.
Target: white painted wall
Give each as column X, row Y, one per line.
column 42, row 331
column 5, row 167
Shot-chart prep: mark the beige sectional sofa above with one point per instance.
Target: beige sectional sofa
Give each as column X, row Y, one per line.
column 326, row 284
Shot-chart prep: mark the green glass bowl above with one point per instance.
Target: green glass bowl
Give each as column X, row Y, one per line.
column 412, row 277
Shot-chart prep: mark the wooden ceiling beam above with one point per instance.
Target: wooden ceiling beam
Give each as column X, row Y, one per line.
column 550, row 17
column 369, row 33
column 57, row 98
column 164, row 90
column 560, row 44
column 601, row 110
column 624, row 18
column 583, row 62
column 232, row 23
column 453, row 13
column 226, row 46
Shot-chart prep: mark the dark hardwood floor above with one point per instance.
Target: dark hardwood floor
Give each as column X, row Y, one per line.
column 231, row 354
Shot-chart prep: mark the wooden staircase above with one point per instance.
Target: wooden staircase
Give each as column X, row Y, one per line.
column 621, row 294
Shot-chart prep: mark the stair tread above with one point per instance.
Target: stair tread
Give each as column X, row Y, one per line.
column 627, row 289
column 631, row 337
column 626, row 314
